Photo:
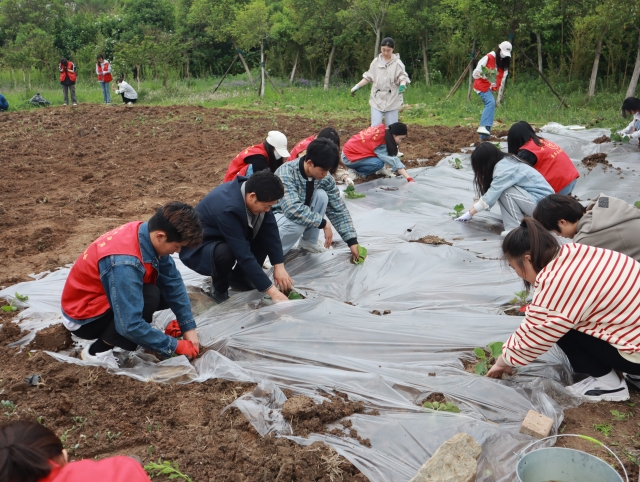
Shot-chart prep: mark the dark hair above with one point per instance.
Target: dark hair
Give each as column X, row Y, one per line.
column 119, row 79
column 483, row 160
column 519, row 134
column 25, row 451
column 555, row 207
column 388, row 42
column 179, row 221
column 322, row 152
column 331, row 134
column 64, row 61
column 501, row 62
column 629, row 104
column 274, row 163
column 533, row 239
column 266, row 185
column 100, row 56
column 397, row 129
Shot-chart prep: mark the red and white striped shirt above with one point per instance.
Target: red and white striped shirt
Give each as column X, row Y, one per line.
column 592, row 290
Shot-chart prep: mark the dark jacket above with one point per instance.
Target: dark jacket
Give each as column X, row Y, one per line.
column 223, row 215
column 4, row 105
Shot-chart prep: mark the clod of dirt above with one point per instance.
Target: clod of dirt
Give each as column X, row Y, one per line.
column 602, row 140
column 386, row 312
column 10, row 331
column 594, row 159
column 434, row 397
column 375, row 312
column 52, row 338
column 435, row 240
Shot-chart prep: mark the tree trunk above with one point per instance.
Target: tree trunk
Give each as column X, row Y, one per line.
column 376, row 49
column 29, row 79
column 244, row 62
column 636, row 72
column 539, row 52
column 295, row 65
column 424, row 43
column 473, row 52
column 24, row 77
column 594, row 71
column 187, row 66
column 327, row 75
column 501, row 92
column 138, row 76
column 262, row 69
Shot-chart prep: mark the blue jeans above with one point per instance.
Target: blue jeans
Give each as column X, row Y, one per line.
column 568, row 189
column 486, row 120
column 291, row 232
column 106, row 93
column 366, row 166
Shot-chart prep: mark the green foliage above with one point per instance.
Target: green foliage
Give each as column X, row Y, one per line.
column 458, row 208
column 489, row 74
column 11, row 307
column 294, row 295
column 21, row 297
column 8, row 406
column 619, row 137
column 350, row 193
column 166, row 468
column 620, row 416
column 637, row 204
column 456, row 164
column 521, row 298
column 605, row 428
column 442, row 407
column 486, row 361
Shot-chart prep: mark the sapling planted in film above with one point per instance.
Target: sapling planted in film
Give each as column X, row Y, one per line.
column 486, row 361
column 456, row 163
column 11, row 306
column 521, row 298
column 619, row 137
column 442, row 406
column 458, row 208
column 350, row 193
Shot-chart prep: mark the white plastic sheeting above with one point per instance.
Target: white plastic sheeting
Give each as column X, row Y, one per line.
column 444, row 301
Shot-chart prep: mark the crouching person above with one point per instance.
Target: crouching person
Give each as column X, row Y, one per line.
column 123, row 278
column 241, row 231
column 310, row 193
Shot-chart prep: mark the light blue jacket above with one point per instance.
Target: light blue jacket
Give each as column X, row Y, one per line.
column 510, row 172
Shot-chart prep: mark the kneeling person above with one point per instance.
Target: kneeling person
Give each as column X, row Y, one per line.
column 126, row 275
column 310, row 193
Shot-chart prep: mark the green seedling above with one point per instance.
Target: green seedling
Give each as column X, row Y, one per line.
column 362, row 254
column 166, row 468
column 350, row 193
column 620, row 416
column 295, row 296
column 11, row 306
column 489, row 74
column 458, row 208
column 456, row 163
column 521, row 298
column 442, row 407
column 8, row 406
column 619, row 137
column 497, row 144
column 21, row 297
column 486, row 362
column 79, row 421
column 604, row 428
column 113, row 436
column 637, row 204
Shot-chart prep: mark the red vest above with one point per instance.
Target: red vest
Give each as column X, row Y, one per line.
column 364, row 142
column 483, row 85
column 553, row 163
column 300, row 147
column 68, row 70
column 83, row 295
column 103, row 75
column 112, row 469
column 238, row 167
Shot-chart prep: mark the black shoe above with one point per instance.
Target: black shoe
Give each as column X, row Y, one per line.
column 220, row 297
column 239, row 281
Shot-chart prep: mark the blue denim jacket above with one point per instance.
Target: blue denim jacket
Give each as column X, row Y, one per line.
column 122, row 277
column 393, row 162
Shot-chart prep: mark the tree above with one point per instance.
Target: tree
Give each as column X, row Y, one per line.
column 373, row 13
column 253, row 24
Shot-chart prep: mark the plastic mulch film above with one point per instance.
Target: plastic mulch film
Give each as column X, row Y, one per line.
column 441, row 302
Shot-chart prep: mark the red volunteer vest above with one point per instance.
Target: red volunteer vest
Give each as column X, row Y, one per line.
column 483, row 85
column 68, row 71
column 238, row 167
column 553, row 163
column 364, row 142
column 83, row 295
column 103, row 75
column 300, row 147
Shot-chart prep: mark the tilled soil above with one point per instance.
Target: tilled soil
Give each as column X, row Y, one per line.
column 431, row 239
column 601, row 140
column 594, row 159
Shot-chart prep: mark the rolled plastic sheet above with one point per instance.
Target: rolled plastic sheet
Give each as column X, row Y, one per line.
column 389, row 332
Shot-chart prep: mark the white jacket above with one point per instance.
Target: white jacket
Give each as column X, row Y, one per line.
column 633, row 129
column 128, row 91
column 386, row 79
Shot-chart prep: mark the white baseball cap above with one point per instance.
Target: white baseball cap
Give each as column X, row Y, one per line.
column 505, row 49
column 279, row 141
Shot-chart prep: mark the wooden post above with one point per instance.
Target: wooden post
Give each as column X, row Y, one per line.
column 295, row 64
column 225, row 74
column 272, row 83
column 459, row 82
column 262, row 68
column 473, row 51
column 562, row 102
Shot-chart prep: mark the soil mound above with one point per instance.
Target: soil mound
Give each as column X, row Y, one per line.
column 602, row 140
column 435, row 240
column 53, row 338
column 594, row 159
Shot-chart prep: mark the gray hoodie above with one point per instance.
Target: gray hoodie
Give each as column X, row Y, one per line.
column 613, row 224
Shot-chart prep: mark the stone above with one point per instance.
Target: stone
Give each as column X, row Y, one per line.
column 536, row 425
column 454, row 461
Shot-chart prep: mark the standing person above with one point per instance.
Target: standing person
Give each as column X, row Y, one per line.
column 129, row 94
column 123, row 278
column 68, row 80
column 240, row 230
column 631, row 106
column 608, row 222
column 309, row 194
column 586, row 300
column 339, row 172
column 489, row 80
column 507, row 180
column 267, row 155
column 31, row 452
column 389, row 79
column 370, row 150
column 4, row 105
column 103, row 69
column 544, row 156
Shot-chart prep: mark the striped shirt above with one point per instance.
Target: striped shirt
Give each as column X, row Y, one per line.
column 592, row 290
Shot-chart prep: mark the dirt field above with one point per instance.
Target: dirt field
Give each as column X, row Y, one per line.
column 71, row 174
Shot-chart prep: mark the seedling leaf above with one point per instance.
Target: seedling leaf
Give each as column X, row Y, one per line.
column 456, row 163
column 479, row 353
column 481, row 368
column 489, row 74
column 637, row 204
column 495, row 348
column 7, row 308
column 21, row 297
column 295, row 296
column 350, row 193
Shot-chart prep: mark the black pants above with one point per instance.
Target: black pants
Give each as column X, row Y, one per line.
column 126, row 100
column 104, row 328
column 593, row 356
column 225, row 274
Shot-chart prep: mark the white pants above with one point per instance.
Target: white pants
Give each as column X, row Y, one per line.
column 390, row 117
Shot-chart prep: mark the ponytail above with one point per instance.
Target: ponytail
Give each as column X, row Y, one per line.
column 26, row 449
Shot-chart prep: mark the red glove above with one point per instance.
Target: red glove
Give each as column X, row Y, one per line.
column 410, row 179
column 185, row 347
column 494, row 89
column 173, row 329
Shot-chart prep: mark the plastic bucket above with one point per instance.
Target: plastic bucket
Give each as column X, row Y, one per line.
column 556, row 464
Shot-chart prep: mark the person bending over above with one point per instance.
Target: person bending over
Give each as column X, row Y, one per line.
column 585, row 299
column 240, row 230
column 631, row 106
column 31, row 452
column 544, row 156
column 4, row 105
column 310, row 193
column 123, row 278
column 268, row 155
column 128, row 93
column 370, row 150
column 608, row 222
column 507, row 180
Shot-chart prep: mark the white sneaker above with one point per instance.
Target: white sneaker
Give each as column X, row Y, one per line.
column 267, row 264
column 504, row 233
column 400, row 154
column 385, row 171
column 75, row 104
column 593, row 390
column 352, row 174
column 105, row 358
column 483, row 130
column 311, row 247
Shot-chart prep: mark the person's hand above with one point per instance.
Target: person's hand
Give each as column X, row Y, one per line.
column 402, row 88
column 410, row 179
column 185, row 347
column 354, row 253
column 465, row 217
column 173, row 329
column 499, row 368
column 192, row 336
column 281, row 278
column 348, row 181
column 328, row 235
column 276, row 295
column 354, row 89
column 494, row 87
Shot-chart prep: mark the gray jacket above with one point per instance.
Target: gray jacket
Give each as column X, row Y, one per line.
column 613, row 224
column 386, row 78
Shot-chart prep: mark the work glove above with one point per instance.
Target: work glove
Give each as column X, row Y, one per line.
column 348, row 181
column 402, row 88
column 465, row 217
column 494, row 87
column 173, row 329
column 410, row 179
column 354, row 89
column 185, row 347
